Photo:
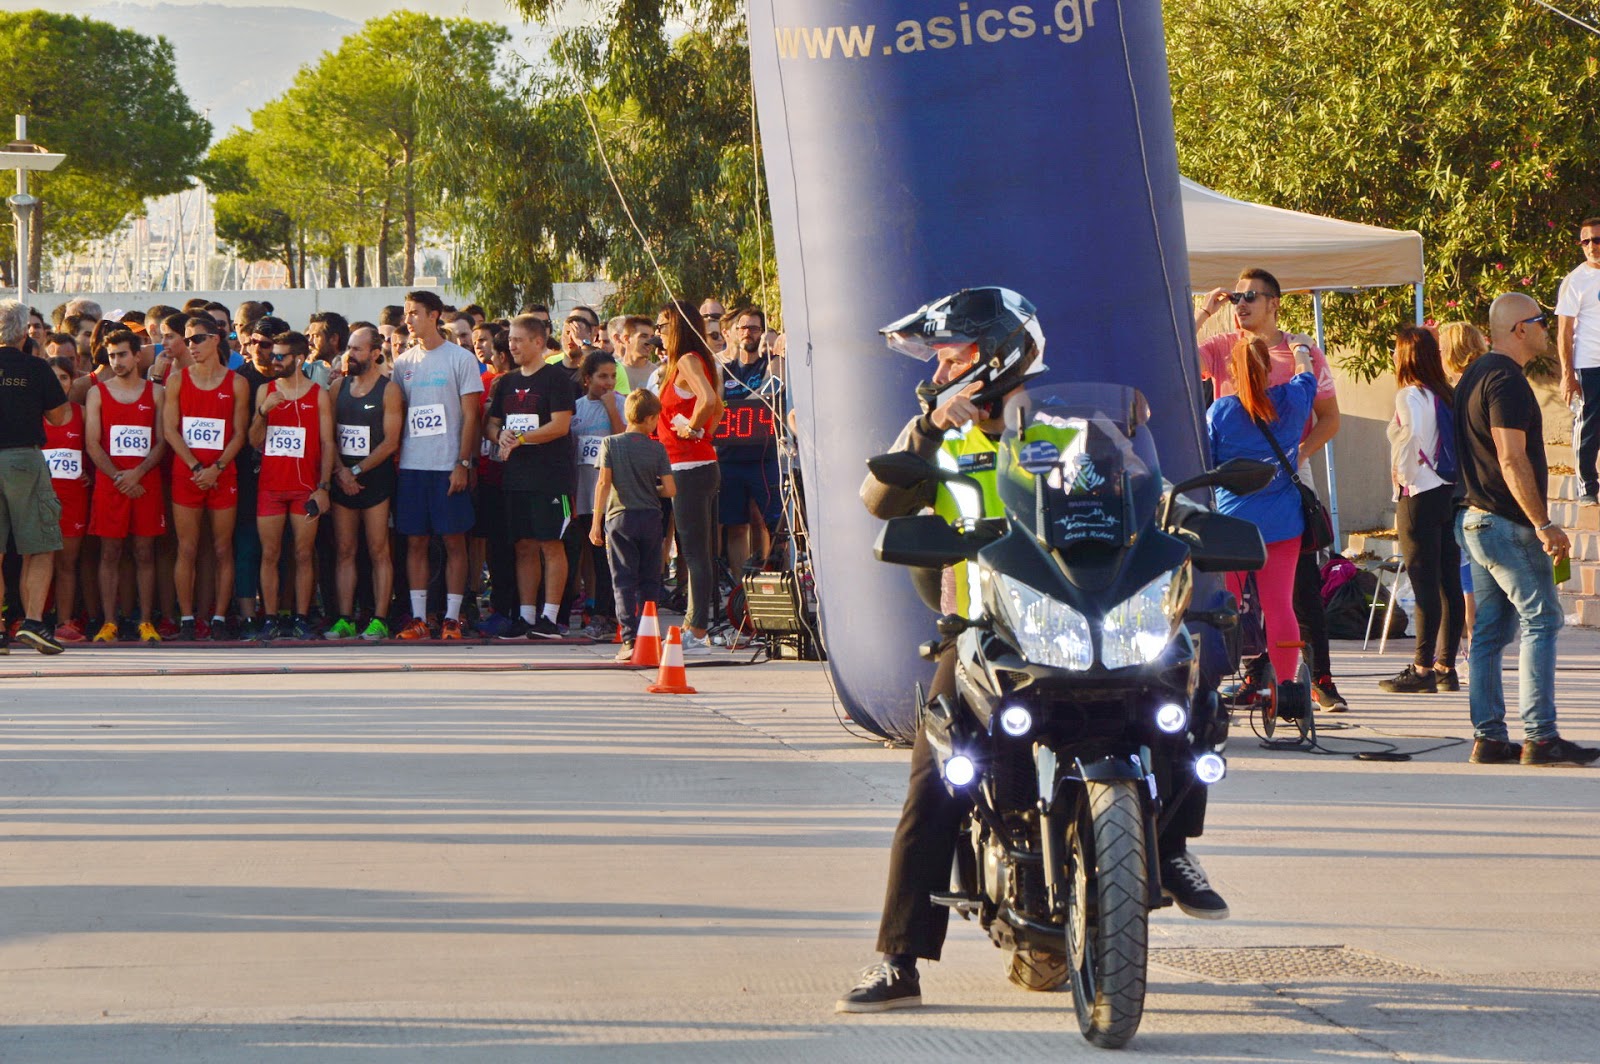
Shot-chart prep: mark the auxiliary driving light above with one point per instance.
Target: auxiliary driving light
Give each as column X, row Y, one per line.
column 959, row 770
column 1016, row 721
column 1172, row 718
column 1209, row 768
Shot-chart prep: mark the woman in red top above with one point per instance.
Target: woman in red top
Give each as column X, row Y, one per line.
column 293, row 430
column 691, row 406
column 69, row 475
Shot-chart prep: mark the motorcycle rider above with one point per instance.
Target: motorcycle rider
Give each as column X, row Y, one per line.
column 987, row 341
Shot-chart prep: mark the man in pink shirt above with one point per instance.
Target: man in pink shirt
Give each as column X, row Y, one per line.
column 1256, row 298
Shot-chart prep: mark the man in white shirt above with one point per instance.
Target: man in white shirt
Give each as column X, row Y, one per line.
column 1578, row 345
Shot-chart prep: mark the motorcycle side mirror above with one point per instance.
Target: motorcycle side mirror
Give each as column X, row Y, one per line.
column 902, row 469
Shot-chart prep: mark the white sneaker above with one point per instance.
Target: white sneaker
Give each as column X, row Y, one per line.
column 693, row 644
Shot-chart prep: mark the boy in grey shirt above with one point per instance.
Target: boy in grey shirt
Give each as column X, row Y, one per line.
column 627, row 521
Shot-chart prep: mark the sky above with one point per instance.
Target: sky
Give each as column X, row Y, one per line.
column 300, row 31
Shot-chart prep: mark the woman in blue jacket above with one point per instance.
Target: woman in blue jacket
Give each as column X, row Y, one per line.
column 1237, row 425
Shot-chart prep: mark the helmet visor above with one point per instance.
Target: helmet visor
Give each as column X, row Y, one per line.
column 951, row 346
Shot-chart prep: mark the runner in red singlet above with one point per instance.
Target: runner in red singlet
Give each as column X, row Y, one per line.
column 69, row 475
column 204, row 423
column 121, row 420
column 293, row 430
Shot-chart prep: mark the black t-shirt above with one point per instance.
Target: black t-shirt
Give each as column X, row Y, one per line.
column 547, row 468
column 28, row 387
column 257, row 381
column 1494, row 394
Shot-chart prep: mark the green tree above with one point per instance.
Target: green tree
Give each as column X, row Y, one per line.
column 1470, row 121
column 109, row 100
column 349, row 153
column 672, row 111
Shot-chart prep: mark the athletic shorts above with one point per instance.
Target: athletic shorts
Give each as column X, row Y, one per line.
column 377, row 486
column 278, row 503
column 747, row 482
column 112, row 515
column 223, row 496
column 29, row 509
column 424, row 505
column 74, row 498
column 534, row 515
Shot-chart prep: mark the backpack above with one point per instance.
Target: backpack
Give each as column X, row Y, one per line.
column 1445, row 463
column 1348, row 606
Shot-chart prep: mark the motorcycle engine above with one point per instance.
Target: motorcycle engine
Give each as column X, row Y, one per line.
column 996, row 871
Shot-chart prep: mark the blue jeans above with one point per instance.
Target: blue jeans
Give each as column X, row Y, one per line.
column 1514, row 584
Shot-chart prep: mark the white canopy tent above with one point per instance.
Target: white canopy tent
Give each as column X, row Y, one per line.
column 1305, row 252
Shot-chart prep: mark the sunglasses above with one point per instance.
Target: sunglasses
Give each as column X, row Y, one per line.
column 713, row 317
column 198, row 338
column 660, row 325
column 1586, row 241
column 1247, row 297
column 1537, row 319
column 283, row 356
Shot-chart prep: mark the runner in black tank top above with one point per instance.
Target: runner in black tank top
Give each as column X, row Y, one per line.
column 358, row 426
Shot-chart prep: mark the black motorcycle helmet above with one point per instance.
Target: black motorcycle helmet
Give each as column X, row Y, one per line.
column 1002, row 327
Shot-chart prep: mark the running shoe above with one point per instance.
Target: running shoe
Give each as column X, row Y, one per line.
column 186, row 632
column 342, row 629
column 300, row 628
column 271, row 628
column 36, row 634
column 70, row 633
column 450, row 630
column 544, row 628
column 107, row 633
column 165, row 629
column 493, row 625
column 250, row 629
column 202, row 628
column 1327, row 696
column 220, row 631
column 1412, row 680
column 1552, row 751
column 697, row 644
column 148, row 634
column 624, row 654
column 516, row 631
column 375, row 630
column 415, row 629
column 1447, row 679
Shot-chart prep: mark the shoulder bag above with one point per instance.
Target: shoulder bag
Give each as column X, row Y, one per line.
column 1319, row 526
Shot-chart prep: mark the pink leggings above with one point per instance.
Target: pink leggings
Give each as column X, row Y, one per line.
column 1275, row 583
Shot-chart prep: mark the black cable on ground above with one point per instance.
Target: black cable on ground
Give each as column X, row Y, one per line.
column 1387, row 751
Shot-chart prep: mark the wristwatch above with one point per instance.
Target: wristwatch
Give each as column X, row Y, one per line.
column 465, row 463
column 355, row 470
column 198, row 465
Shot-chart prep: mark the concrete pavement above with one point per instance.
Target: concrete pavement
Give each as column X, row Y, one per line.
column 512, row 865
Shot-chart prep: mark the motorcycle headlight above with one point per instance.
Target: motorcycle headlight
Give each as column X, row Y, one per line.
column 1138, row 629
column 1049, row 632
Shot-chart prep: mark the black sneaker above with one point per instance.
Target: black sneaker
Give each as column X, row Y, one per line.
column 544, row 628
column 1412, row 681
column 1495, row 752
column 299, row 628
column 37, row 635
column 1447, row 679
column 185, row 632
column 516, row 631
column 1185, row 882
column 1552, row 751
column 250, row 629
column 271, row 629
column 1327, row 696
column 882, row 987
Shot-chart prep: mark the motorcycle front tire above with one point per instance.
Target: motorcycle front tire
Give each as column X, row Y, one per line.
column 1108, row 924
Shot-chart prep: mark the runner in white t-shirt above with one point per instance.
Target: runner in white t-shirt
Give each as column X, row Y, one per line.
column 1578, row 345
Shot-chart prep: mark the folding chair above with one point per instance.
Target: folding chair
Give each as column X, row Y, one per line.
column 1395, row 565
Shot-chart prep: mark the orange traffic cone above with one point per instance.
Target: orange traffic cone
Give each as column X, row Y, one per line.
column 672, row 680
column 647, row 641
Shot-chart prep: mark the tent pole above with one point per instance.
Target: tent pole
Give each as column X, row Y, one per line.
column 1418, row 287
column 1333, row 479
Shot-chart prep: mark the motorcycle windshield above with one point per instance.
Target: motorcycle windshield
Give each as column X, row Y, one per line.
column 1078, row 465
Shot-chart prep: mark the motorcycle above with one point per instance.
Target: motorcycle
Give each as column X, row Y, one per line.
column 1080, row 716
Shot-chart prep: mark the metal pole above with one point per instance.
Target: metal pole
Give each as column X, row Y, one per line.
column 23, row 235
column 1333, row 479
column 1418, row 288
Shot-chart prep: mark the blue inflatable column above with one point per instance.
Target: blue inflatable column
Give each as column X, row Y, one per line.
column 914, row 148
